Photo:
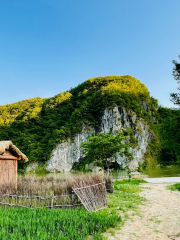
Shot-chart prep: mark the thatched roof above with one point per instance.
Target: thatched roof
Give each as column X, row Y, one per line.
column 8, row 145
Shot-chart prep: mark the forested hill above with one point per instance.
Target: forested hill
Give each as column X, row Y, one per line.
column 37, row 125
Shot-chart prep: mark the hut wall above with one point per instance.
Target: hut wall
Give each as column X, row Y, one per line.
column 8, row 174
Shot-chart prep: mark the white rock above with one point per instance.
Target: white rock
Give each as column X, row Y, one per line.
column 31, row 167
column 67, row 153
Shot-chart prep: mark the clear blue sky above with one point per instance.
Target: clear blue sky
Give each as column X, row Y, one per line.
column 49, row 46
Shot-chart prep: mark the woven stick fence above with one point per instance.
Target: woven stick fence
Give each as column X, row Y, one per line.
column 93, row 197
column 89, row 191
column 62, row 201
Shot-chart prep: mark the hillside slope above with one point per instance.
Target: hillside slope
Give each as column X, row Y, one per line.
column 37, row 125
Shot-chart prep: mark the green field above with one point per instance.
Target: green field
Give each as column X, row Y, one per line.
column 70, row 224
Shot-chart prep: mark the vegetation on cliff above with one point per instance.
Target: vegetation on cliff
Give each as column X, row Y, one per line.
column 37, row 125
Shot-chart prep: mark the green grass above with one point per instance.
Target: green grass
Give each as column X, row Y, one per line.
column 130, row 181
column 174, row 187
column 155, row 219
column 126, row 195
column 19, row 223
column 71, row 224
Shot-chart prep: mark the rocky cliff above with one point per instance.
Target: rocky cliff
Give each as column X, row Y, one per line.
column 116, row 119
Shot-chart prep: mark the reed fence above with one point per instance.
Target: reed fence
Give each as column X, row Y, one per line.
column 93, row 197
column 62, row 201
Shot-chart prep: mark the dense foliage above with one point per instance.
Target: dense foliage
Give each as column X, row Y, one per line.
column 169, row 134
column 37, row 125
column 20, row 223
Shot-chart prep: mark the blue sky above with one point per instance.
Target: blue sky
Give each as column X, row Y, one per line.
column 47, row 47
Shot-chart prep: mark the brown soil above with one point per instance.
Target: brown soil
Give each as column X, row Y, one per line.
column 159, row 217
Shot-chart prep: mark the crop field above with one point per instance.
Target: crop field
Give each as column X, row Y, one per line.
column 43, row 224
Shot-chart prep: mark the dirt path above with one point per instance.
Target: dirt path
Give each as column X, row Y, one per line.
column 159, row 217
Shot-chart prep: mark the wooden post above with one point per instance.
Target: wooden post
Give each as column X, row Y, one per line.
column 15, row 178
column 52, row 198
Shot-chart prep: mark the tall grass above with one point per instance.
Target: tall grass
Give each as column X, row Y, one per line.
column 57, row 188
column 31, row 185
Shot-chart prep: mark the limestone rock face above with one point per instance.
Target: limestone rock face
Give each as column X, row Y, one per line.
column 67, row 153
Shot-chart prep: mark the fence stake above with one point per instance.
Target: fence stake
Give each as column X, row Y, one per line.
column 52, row 201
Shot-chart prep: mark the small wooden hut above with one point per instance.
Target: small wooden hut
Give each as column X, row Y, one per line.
column 9, row 155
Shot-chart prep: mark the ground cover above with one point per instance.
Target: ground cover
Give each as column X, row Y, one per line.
column 174, row 187
column 20, row 223
column 126, row 197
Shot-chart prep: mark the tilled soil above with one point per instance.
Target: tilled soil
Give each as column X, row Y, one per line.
column 159, row 217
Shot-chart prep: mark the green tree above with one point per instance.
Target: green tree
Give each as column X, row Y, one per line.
column 101, row 149
column 175, row 97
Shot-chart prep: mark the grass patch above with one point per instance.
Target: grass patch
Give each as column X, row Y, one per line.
column 174, row 187
column 126, row 195
column 131, row 181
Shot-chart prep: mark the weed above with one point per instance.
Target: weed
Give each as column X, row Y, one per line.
column 99, row 236
column 134, row 234
column 174, row 187
column 126, row 216
column 155, row 219
column 158, row 221
column 112, row 232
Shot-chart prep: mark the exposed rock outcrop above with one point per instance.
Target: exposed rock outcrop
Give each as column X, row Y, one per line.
column 67, row 153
